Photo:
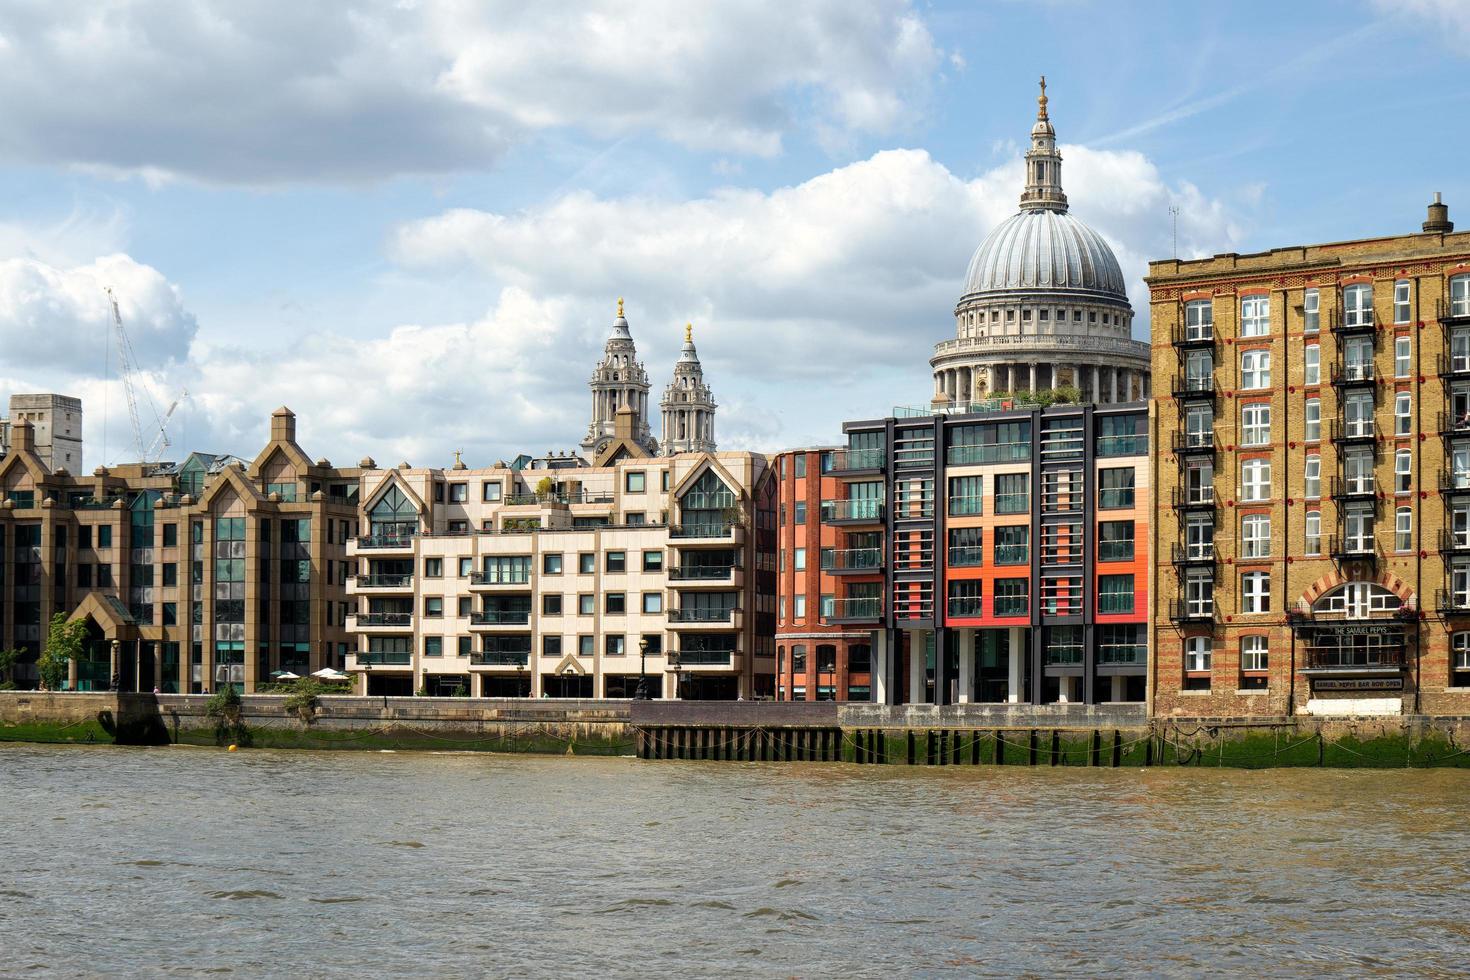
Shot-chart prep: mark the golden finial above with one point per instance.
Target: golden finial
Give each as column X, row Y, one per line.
column 620, row 306
column 457, row 454
column 1041, row 100
column 688, row 333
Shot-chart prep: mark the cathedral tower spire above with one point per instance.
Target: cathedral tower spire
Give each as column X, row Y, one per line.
column 1043, row 164
column 688, row 407
column 618, row 381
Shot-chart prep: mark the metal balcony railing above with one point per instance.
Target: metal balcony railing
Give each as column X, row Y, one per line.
column 852, row 560
column 857, row 461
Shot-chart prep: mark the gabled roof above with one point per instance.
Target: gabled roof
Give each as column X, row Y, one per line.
column 620, row 449
column 393, row 479
column 710, row 462
column 231, row 477
column 108, row 612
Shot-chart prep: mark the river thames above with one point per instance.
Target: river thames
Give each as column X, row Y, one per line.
column 184, row 861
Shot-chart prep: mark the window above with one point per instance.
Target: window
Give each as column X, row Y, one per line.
column 1199, row 370
column 584, row 646
column 1255, row 480
column 1312, row 477
column 1255, row 535
column 1115, row 541
column 551, row 564
column 1357, row 410
column 1114, row 594
column 616, row 561
column 170, row 535
column 551, row 605
column 433, row 568
column 1012, row 597
column 1403, row 404
column 1012, row 493
column 1313, row 544
column 635, row 481
column 1255, row 421
column 653, row 602
column 434, row 607
column 466, row 606
column 1255, row 592
column 1312, row 364
column 586, row 604
column 1401, row 308
column 1311, row 311
column 433, row 646
column 798, row 560
column 104, row 535
column 1357, row 305
column 490, row 492
column 1255, row 369
column 1403, row 529
column 1460, row 644
column 828, row 606
column 459, row 493
column 653, row 561
column 965, row 496
column 1199, row 320
column 1403, row 349
column 1115, row 488
column 1403, row 471
column 654, row 643
column 1313, row 416
column 1460, row 296
column 1255, row 316
column 798, row 606
column 1199, row 537
column 1012, row 544
column 635, row 518
column 615, row 604
column 798, row 512
column 1197, row 651
column 613, row 646
column 1199, row 425
column 1253, row 655
column 587, row 563
column 466, row 567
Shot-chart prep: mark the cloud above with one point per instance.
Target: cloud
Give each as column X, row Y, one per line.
column 1450, row 19
column 281, row 91
column 812, row 304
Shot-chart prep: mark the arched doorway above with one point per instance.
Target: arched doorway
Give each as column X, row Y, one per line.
column 1358, row 629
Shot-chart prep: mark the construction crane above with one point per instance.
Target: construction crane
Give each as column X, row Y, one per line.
column 161, row 441
column 127, row 368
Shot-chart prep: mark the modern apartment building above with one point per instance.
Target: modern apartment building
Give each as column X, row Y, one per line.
column 578, row 581
column 1312, row 466
column 189, row 576
column 817, row 659
column 991, row 556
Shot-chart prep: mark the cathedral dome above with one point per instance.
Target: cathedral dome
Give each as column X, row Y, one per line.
column 1044, row 248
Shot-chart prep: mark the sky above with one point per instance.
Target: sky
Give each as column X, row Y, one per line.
column 410, row 222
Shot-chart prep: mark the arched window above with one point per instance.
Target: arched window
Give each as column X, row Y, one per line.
column 393, row 517
column 1357, row 600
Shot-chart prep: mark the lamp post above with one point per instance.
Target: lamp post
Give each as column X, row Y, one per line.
column 673, row 658
column 642, row 693
column 116, row 680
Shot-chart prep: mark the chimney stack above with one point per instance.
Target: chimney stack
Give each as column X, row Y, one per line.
column 22, row 437
column 1439, row 217
column 283, row 425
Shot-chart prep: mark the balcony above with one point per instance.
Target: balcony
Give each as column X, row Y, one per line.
column 704, row 618
column 967, row 556
column 865, row 609
column 1452, row 426
column 361, row 584
column 525, row 500
column 1345, row 549
column 718, row 532
column 853, row 561
column 1451, row 543
column 1194, row 389
column 706, row 576
column 1193, row 443
column 1197, row 338
column 1352, row 376
column 385, row 621
column 695, row 659
column 1449, row 602
column 1355, row 434
column 1198, row 556
column 857, row 462
column 1200, row 499
column 1454, row 484
column 1347, row 323
column 1355, row 660
column 855, row 512
column 382, row 543
column 1183, row 612
column 515, row 660
column 1354, row 491
column 1452, row 313
column 380, row 658
column 1123, row 655
column 500, row 617
column 513, row 583
column 1453, row 368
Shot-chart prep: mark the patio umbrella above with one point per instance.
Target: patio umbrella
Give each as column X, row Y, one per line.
column 285, row 675
column 329, row 674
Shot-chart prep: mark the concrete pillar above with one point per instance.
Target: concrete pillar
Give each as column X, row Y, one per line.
column 1113, row 375
column 1015, row 654
column 918, row 664
column 1031, row 369
column 881, row 694
column 966, row 640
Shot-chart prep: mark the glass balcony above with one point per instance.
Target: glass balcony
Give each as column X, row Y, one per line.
column 385, row 658
column 1123, row 655
column 856, row 512
column 488, row 658
column 851, row 461
column 702, row 530
column 852, row 560
column 967, row 556
column 701, row 615
column 380, row 619
column 962, row 606
column 382, row 581
column 501, row 617
column 867, row 608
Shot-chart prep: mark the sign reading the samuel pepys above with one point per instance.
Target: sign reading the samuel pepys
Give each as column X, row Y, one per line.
column 1360, row 629
column 1364, row 684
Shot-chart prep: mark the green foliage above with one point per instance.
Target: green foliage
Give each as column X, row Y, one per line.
column 544, row 486
column 64, row 643
column 7, row 661
column 301, row 698
column 224, row 703
column 1065, row 395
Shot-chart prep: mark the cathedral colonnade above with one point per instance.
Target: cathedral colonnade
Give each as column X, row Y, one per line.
column 1101, row 383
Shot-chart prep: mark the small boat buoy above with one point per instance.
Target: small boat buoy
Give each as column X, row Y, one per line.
column 233, row 747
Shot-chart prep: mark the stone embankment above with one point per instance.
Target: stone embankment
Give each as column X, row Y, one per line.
column 1049, row 735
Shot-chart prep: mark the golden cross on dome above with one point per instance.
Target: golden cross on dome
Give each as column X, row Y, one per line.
column 1041, row 100
column 620, row 306
column 688, row 333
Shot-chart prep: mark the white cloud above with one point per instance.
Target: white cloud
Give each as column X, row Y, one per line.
column 1449, row 18
column 812, row 304
column 282, row 91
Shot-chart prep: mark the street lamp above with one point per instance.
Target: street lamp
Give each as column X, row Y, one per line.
column 673, row 658
column 642, row 693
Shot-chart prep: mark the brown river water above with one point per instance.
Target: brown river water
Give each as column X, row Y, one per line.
column 180, row 862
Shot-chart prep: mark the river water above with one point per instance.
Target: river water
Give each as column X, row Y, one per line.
column 180, row 861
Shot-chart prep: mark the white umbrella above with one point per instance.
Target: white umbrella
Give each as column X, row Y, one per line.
column 329, row 674
column 286, row 675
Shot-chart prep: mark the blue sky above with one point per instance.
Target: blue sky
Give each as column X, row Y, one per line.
column 410, row 221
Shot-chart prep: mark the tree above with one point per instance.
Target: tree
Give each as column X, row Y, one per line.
column 7, row 661
column 64, row 643
column 544, row 487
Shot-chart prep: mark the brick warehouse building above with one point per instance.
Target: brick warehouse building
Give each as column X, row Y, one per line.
column 1312, row 466
column 816, row 659
column 1010, row 549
